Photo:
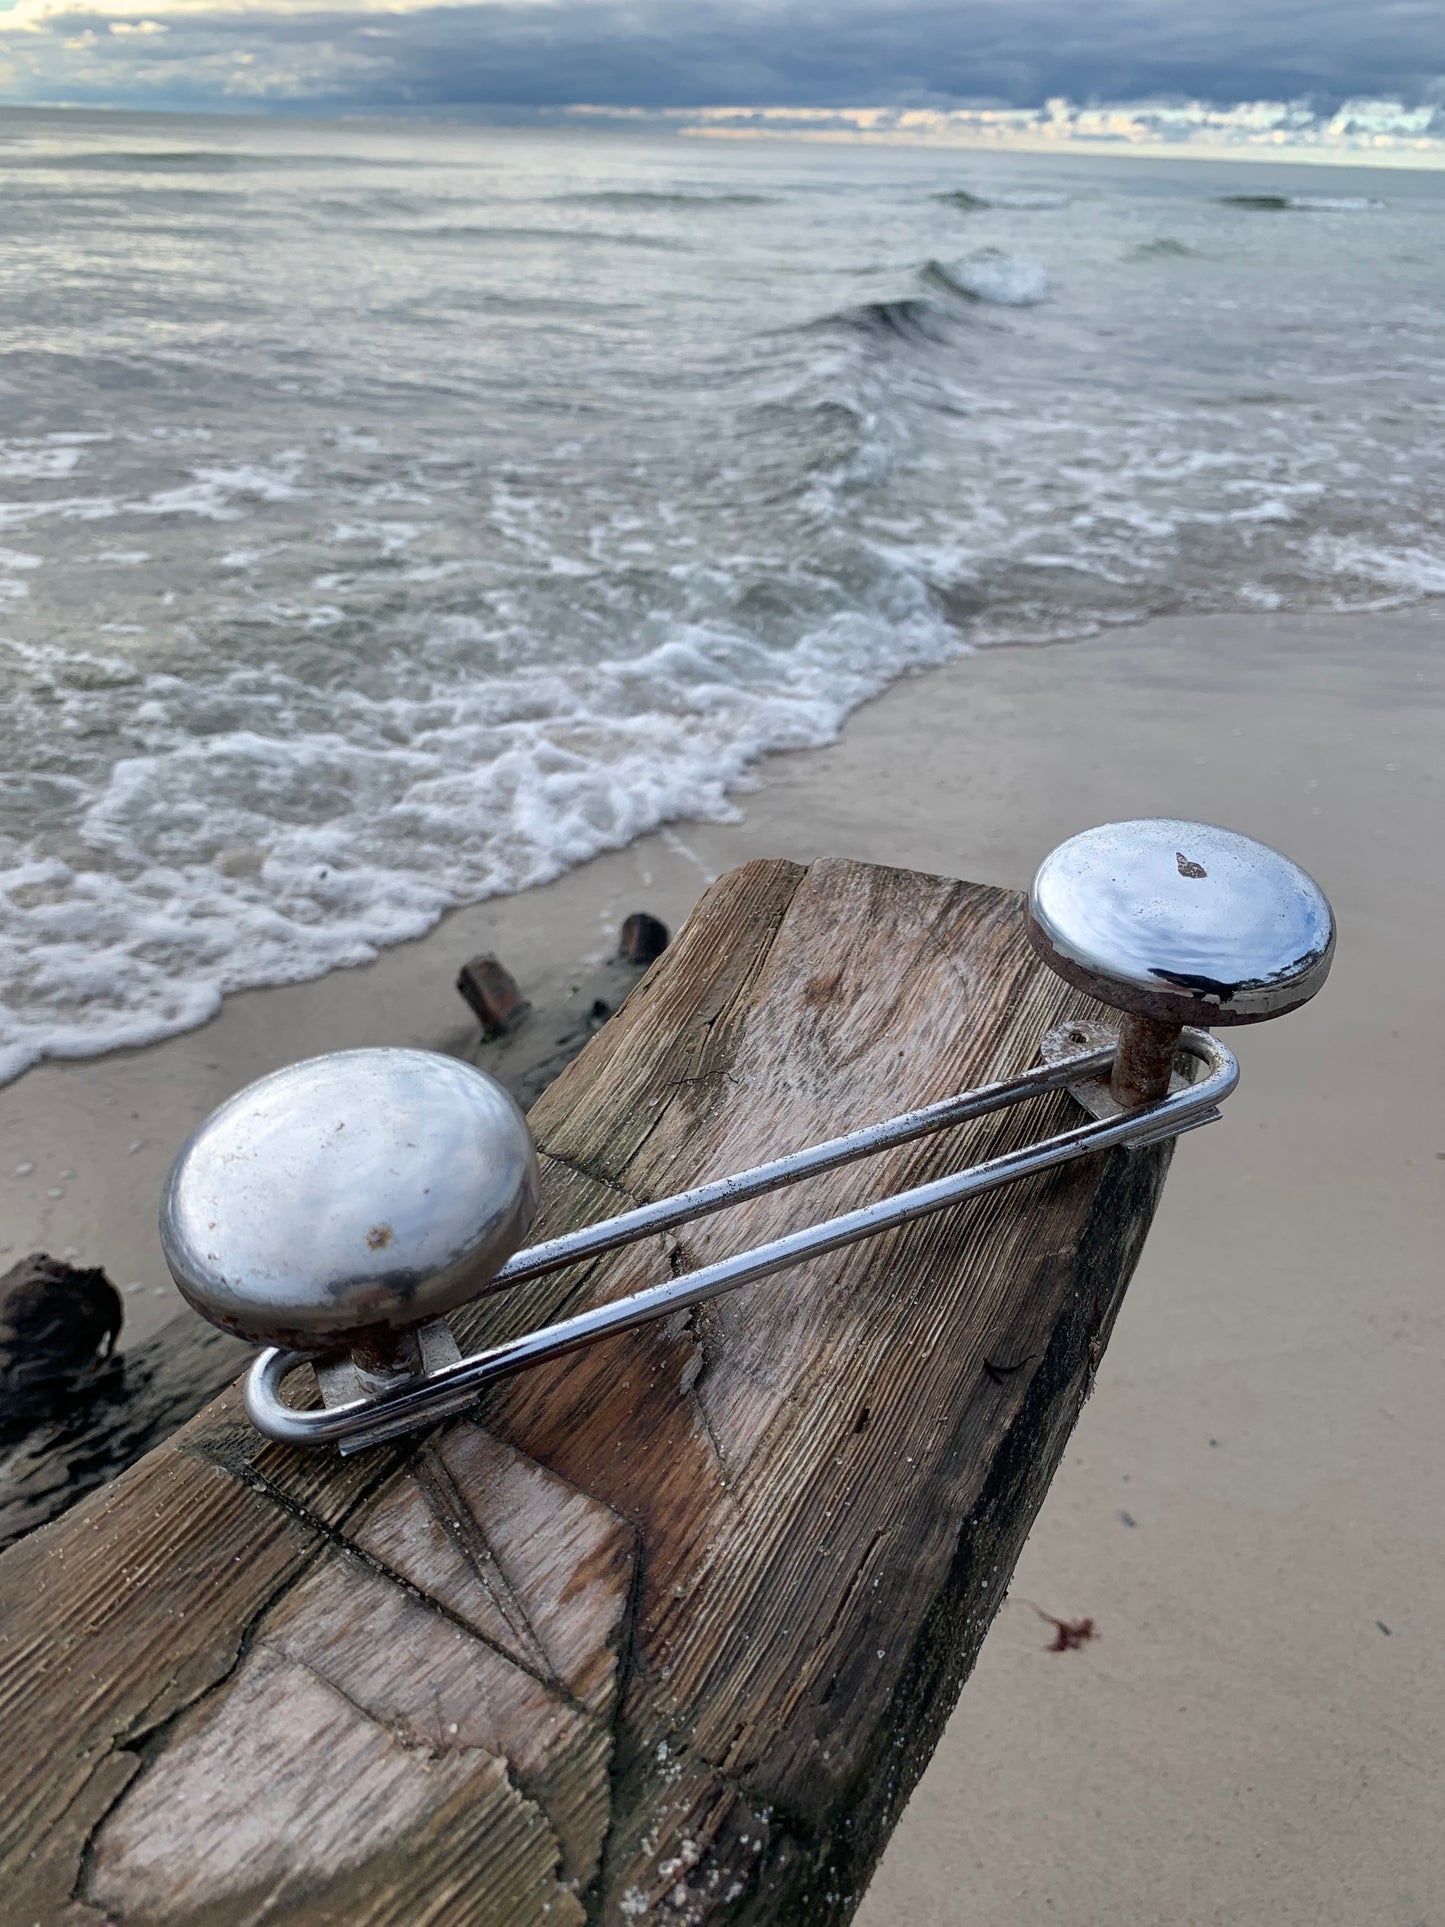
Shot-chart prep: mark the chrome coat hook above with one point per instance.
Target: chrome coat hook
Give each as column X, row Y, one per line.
column 337, row 1210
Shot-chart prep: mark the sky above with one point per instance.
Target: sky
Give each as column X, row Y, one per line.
column 1332, row 78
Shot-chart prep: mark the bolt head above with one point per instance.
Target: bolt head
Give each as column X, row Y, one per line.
column 1182, row 921
column 366, row 1191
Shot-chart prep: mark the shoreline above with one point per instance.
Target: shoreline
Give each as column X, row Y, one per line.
column 551, row 933
column 1249, row 1509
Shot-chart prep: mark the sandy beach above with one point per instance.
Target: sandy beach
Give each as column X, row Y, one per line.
column 1251, row 1508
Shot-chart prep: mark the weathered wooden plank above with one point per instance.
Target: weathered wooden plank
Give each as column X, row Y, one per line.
column 668, row 1630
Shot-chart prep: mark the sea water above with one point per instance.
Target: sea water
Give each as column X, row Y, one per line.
column 394, row 516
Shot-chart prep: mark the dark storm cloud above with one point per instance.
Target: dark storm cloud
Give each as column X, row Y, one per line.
column 1016, row 51
column 663, row 54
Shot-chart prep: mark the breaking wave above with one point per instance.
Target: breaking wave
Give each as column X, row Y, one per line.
column 908, row 318
column 1302, row 203
column 1004, row 280
column 1020, row 200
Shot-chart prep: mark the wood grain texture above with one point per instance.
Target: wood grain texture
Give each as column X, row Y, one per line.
column 667, row 1630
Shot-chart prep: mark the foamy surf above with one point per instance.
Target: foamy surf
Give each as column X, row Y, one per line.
column 272, row 855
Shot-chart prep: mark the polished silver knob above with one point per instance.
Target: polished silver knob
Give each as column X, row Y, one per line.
column 344, row 1202
column 1178, row 923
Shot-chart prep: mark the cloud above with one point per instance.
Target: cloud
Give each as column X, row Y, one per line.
column 947, row 65
column 1361, row 129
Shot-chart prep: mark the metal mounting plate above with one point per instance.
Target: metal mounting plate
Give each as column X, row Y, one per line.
column 1093, row 1093
column 340, row 1382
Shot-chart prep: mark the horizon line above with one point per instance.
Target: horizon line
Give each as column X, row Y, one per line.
column 1259, row 132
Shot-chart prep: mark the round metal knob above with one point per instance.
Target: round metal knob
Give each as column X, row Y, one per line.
column 348, row 1199
column 1179, row 923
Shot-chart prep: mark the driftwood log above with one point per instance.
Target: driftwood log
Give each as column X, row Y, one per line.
column 665, row 1631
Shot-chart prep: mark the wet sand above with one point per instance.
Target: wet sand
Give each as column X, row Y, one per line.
column 1253, row 1508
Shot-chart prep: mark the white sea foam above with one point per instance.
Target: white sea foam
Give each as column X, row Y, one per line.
column 1413, row 571
column 1304, row 203
column 1003, row 279
column 1028, row 199
column 37, row 461
column 223, row 494
column 1012, row 199
column 389, row 536
column 1334, row 203
column 254, row 855
column 70, row 508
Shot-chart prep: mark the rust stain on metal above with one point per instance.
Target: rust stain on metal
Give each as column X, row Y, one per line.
column 1145, row 1059
column 379, row 1237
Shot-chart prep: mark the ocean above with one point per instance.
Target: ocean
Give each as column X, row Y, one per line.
column 394, row 516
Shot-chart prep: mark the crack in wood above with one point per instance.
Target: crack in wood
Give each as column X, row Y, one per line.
column 148, row 1744
column 335, row 1638
column 627, row 1650
column 452, row 1511
column 604, row 1180
column 335, row 1537
column 277, row 1739
column 697, row 1330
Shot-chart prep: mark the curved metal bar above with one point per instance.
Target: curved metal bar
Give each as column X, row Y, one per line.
column 421, row 1401
column 685, row 1206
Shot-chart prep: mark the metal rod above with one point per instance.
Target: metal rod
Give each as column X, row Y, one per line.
column 1144, row 1062
column 685, row 1206
column 454, row 1387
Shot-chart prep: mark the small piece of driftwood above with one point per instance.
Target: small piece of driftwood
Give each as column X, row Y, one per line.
column 494, row 994
column 58, row 1324
column 666, row 1630
column 643, row 939
column 529, row 1054
column 73, row 1413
